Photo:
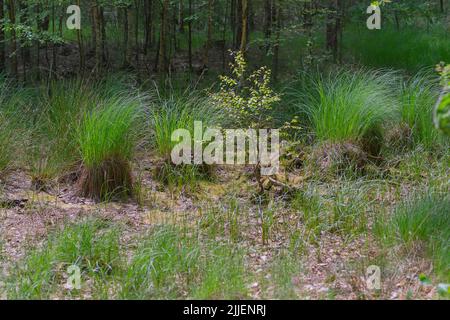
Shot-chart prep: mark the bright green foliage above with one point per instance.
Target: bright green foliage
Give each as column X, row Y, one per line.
column 442, row 110
column 418, row 96
column 109, row 131
column 346, row 106
column 247, row 99
column 179, row 112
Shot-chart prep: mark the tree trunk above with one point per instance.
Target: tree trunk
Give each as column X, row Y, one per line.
column 238, row 24
column 268, row 18
column 136, row 35
column 181, row 17
column 125, row 37
column 148, row 6
column 209, row 33
column 54, row 48
column 162, row 65
column 131, row 32
column 13, row 55
column 190, row 35
column 243, row 46
column 333, row 26
column 276, row 49
column 2, row 38
column 103, row 35
column 80, row 46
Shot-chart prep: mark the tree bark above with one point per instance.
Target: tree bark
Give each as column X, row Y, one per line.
column 2, row 38
column 209, row 33
column 162, row 65
column 333, row 27
column 80, row 46
column 243, row 46
column 190, row 36
column 276, row 49
column 148, row 6
column 13, row 54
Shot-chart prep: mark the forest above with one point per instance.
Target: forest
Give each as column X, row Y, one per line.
column 224, row 150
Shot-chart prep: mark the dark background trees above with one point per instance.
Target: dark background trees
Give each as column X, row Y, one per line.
column 167, row 36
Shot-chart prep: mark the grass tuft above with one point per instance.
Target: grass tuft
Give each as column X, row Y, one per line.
column 107, row 138
column 421, row 222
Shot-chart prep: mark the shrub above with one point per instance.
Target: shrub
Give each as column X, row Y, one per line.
column 246, row 98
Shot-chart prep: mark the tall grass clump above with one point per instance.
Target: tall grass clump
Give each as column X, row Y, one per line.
column 418, row 97
column 422, row 222
column 179, row 112
column 52, row 147
column 348, row 105
column 14, row 102
column 53, row 150
column 107, row 138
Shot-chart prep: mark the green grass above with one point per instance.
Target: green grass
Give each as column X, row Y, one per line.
column 422, row 221
column 52, row 147
column 90, row 245
column 171, row 264
column 170, row 113
column 410, row 48
column 418, row 97
column 284, row 269
column 109, row 131
column 14, row 105
column 345, row 106
column 107, row 138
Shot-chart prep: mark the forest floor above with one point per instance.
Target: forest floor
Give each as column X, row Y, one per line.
column 283, row 257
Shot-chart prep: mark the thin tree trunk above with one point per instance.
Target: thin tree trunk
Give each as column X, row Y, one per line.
column 209, row 33
column 54, row 56
column 80, row 46
column 136, row 34
column 238, row 24
column 13, row 55
column 224, row 33
column 333, row 25
column 131, row 32
column 125, row 37
column 190, row 36
column 243, row 46
column 148, row 6
column 181, row 17
column 162, row 65
column 276, row 49
column 2, row 38
column 103, row 35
